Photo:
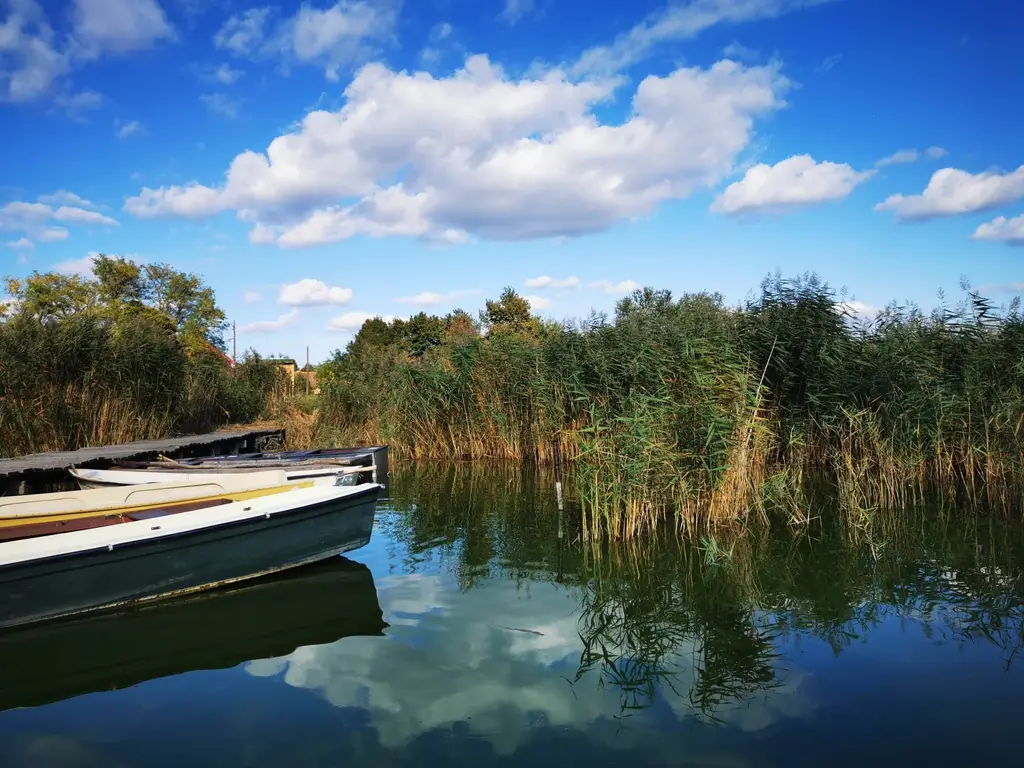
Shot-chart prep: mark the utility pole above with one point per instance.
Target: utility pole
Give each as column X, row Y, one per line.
column 234, row 344
column 306, row 377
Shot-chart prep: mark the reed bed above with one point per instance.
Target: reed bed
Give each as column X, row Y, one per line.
column 703, row 415
column 101, row 370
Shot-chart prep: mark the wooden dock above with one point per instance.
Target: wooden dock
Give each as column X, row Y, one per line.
column 46, row 467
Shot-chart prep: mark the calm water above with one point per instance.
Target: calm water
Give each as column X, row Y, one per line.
column 468, row 633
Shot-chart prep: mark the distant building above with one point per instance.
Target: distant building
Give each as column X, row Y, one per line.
column 286, row 364
column 306, row 379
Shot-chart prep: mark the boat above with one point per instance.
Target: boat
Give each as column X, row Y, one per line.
column 163, row 552
column 72, row 505
column 92, row 479
column 373, row 459
column 217, row 629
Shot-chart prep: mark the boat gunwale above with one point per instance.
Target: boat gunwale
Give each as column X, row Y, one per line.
column 61, row 546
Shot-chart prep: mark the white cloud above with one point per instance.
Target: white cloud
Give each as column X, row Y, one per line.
column 1002, row 229
column 270, row 326
column 485, row 155
column 29, row 60
column 221, row 104
column 899, row 158
column 622, row 288
column 131, row 128
column 192, row 201
column 22, row 244
column 679, row 21
column 793, row 182
column 34, row 219
column 353, row 321
column 35, row 61
column 538, row 302
column 829, row 62
column 514, row 10
column 223, row 74
column 243, row 33
column 312, row 293
column 82, row 216
column 63, row 197
column 252, row 297
column 545, row 282
column 440, row 32
column 504, row 667
column 76, row 104
column 911, row 156
column 740, row 52
column 1001, row 288
column 331, row 38
column 118, row 26
column 431, row 299
column 431, row 54
column 450, row 237
column 951, row 192
column 81, row 267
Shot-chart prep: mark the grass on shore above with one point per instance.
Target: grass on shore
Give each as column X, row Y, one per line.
column 692, row 411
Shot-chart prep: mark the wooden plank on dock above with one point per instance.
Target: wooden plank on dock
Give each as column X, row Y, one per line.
column 59, row 460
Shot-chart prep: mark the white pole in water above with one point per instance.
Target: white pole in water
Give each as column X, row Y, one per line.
column 558, row 483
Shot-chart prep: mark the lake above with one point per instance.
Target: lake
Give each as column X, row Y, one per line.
column 470, row 632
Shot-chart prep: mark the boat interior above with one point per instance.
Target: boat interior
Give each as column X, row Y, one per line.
column 68, row 507
column 33, row 527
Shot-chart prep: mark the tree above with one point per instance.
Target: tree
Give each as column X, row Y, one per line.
column 121, row 290
column 645, row 302
column 510, row 314
column 52, row 294
column 190, row 304
column 120, row 280
column 459, row 327
column 374, row 332
column 422, row 332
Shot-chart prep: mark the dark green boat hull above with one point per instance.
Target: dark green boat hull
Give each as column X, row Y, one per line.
column 183, row 563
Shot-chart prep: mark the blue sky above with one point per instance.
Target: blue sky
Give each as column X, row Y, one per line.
column 322, row 162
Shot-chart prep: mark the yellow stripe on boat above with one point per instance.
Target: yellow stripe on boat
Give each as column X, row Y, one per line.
column 136, row 497
column 126, row 510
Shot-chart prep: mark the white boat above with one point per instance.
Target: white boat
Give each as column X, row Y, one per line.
column 182, row 489
column 107, row 478
column 157, row 553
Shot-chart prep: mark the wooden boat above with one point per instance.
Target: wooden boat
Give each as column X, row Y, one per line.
column 89, row 479
column 163, row 552
column 72, row 505
column 368, row 454
column 375, row 456
column 217, row 629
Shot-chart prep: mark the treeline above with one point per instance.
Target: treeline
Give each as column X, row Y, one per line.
column 703, row 412
column 133, row 352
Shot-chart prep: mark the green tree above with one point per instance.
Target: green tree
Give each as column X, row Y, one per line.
column 190, row 304
column 422, row 332
column 510, row 314
column 120, row 280
column 52, row 295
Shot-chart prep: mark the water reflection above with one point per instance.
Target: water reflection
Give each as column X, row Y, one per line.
column 213, row 630
column 507, row 643
column 498, row 626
